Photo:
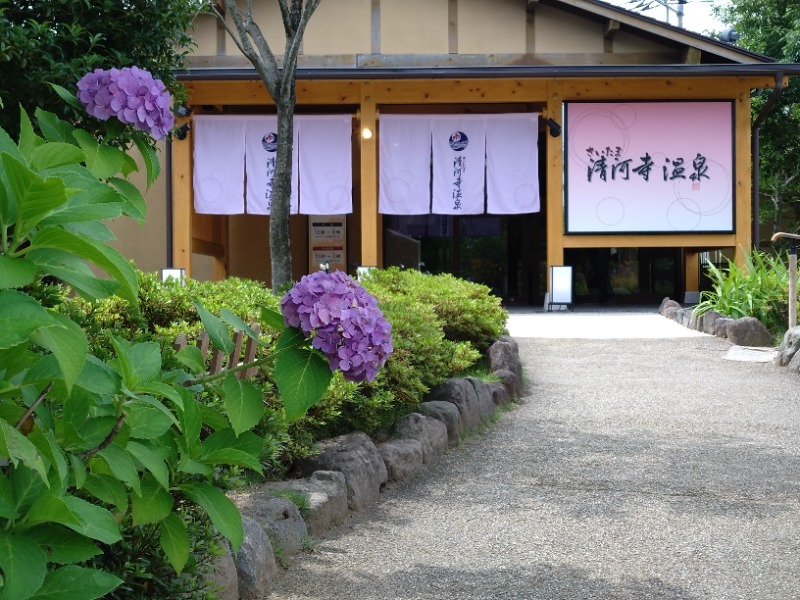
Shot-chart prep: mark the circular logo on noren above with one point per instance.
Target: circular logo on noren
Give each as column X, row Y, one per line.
column 458, row 141
column 270, row 142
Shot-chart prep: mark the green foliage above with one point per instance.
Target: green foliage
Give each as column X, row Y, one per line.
column 772, row 27
column 90, row 445
column 58, row 41
column 757, row 289
column 467, row 311
column 141, row 561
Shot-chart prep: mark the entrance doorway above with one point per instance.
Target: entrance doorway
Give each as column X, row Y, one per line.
column 505, row 253
column 625, row 275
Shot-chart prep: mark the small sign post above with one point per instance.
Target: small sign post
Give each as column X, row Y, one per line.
column 560, row 287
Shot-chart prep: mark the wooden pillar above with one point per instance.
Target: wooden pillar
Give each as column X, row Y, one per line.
column 555, row 180
column 691, row 276
column 744, row 179
column 220, row 264
column 182, row 203
column 371, row 254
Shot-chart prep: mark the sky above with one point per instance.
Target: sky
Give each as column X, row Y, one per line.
column 697, row 14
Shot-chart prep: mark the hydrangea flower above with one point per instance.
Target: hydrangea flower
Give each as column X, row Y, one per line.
column 131, row 95
column 343, row 321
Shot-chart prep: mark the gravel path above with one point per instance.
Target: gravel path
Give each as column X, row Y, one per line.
column 635, row 469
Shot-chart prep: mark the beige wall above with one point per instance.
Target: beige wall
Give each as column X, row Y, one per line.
column 558, row 32
column 340, row 27
column 625, row 43
column 491, row 27
column 146, row 244
column 414, row 27
column 204, row 34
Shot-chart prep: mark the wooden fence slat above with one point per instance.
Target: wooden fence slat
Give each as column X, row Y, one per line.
column 250, row 354
column 180, row 342
column 218, row 358
column 233, row 359
column 202, row 343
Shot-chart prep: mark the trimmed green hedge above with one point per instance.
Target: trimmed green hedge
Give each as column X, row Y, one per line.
column 441, row 325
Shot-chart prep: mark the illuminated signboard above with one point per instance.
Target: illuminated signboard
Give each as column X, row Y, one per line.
column 649, row 167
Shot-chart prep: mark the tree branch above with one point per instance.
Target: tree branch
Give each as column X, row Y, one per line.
column 33, row 406
column 106, row 442
column 245, row 31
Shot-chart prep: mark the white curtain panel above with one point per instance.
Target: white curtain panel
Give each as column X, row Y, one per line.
column 459, row 158
column 405, row 165
column 512, row 164
column 219, row 164
column 261, row 140
column 326, row 169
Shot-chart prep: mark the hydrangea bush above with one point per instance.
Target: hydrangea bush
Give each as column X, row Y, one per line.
column 343, row 321
column 129, row 94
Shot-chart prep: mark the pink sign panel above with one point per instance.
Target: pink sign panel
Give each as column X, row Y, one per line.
column 649, row 167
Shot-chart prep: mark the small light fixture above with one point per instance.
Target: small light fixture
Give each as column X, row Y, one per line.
column 366, row 133
column 177, row 275
column 183, row 111
column 182, row 131
column 553, row 127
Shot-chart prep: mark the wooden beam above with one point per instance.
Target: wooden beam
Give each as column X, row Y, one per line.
column 743, row 189
column 182, row 202
column 206, row 248
column 253, row 93
column 452, row 26
column 691, row 270
column 460, row 91
column 530, row 31
column 370, row 219
column 611, row 29
column 692, row 56
column 694, row 240
column 375, row 23
column 645, row 88
column 555, row 181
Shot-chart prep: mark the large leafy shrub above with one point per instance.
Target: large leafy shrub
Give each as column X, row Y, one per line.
column 757, row 289
column 93, row 444
column 467, row 311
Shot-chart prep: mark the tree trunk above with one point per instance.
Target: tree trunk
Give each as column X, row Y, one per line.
column 279, row 224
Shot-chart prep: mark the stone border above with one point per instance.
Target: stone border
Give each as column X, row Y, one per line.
column 747, row 331
column 350, row 472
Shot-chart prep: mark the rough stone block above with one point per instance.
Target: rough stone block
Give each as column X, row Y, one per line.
column 447, row 413
column 403, row 459
column 461, row 393
column 486, row 405
column 358, row 459
column 429, row 432
column 255, row 563
column 748, row 331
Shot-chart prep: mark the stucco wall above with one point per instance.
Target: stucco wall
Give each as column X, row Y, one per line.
column 557, row 32
column 414, row 27
column 491, row 27
column 145, row 243
column 341, row 27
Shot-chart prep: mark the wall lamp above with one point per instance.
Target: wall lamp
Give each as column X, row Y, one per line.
column 552, row 126
column 182, row 131
column 183, row 111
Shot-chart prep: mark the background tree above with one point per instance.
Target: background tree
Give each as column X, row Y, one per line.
column 772, row 27
column 280, row 81
column 59, row 41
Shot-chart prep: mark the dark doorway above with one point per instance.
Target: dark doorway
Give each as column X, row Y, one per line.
column 505, row 253
column 625, row 275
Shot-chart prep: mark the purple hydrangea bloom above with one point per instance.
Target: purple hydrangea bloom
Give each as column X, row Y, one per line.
column 131, row 95
column 343, row 320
